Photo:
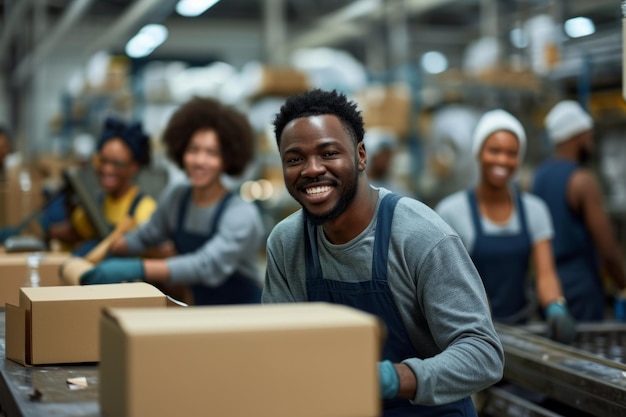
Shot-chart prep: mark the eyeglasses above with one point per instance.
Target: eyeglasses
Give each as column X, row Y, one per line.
column 100, row 161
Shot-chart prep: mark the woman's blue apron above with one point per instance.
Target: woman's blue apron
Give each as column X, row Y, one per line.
column 85, row 247
column 502, row 262
column 374, row 296
column 237, row 288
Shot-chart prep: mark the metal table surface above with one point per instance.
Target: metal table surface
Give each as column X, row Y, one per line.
column 587, row 377
column 44, row 391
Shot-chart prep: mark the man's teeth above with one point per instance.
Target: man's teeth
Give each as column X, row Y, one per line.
column 317, row 190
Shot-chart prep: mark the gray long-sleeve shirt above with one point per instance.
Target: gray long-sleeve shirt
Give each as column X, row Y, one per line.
column 233, row 247
column 435, row 286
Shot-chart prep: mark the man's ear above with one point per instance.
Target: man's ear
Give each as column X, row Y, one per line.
column 362, row 156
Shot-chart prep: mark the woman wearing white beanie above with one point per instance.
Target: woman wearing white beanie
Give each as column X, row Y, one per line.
column 503, row 229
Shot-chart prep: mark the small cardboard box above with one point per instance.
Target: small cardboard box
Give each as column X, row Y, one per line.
column 60, row 324
column 14, row 273
column 280, row 360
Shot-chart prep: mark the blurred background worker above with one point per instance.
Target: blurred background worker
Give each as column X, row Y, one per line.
column 583, row 244
column 504, row 229
column 215, row 232
column 381, row 145
column 122, row 150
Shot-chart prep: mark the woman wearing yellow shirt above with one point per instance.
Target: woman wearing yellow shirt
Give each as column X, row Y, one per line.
column 122, row 151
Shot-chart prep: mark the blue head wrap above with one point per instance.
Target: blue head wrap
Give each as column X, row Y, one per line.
column 132, row 135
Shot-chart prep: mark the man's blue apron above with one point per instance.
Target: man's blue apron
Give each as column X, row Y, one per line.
column 577, row 259
column 237, row 288
column 374, row 296
column 502, row 262
column 88, row 245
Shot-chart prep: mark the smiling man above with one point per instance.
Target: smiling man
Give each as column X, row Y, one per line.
column 367, row 248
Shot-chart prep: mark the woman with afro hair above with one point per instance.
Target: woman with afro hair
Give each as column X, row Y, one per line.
column 214, row 231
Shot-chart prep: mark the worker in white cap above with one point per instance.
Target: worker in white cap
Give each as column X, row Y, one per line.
column 504, row 228
column 584, row 243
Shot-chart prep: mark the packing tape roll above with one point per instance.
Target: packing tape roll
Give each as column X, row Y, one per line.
column 71, row 270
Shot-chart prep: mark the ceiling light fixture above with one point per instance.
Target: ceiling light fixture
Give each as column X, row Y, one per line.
column 146, row 40
column 434, row 62
column 191, row 8
column 577, row 27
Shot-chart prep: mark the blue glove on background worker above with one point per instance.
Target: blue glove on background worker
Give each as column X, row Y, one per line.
column 561, row 325
column 388, row 379
column 113, row 271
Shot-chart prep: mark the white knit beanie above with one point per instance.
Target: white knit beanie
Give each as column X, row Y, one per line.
column 493, row 121
column 566, row 120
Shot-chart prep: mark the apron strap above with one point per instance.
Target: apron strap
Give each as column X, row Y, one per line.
column 182, row 209
column 312, row 261
column 220, row 210
column 383, row 233
column 135, row 203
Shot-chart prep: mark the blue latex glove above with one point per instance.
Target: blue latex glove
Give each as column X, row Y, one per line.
column 113, row 271
column 389, row 380
column 619, row 307
column 561, row 325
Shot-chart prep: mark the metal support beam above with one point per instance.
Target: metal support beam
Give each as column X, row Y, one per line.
column 122, row 27
column 350, row 22
column 14, row 21
column 275, row 29
column 32, row 61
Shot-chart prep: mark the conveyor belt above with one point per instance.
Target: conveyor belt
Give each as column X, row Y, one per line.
column 589, row 376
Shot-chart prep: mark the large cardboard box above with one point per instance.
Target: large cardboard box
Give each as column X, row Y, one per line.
column 55, row 325
column 14, row 273
column 281, row 360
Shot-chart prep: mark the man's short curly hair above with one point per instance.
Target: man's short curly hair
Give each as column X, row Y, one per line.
column 318, row 102
column 235, row 135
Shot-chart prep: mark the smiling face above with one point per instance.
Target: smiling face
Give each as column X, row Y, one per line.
column 499, row 158
column 203, row 159
column 115, row 167
column 321, row 165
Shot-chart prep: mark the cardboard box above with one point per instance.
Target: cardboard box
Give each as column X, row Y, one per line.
column 55, row 325
column 280, row 360
column 388, row 107
column 268, row 81
column 14, row 273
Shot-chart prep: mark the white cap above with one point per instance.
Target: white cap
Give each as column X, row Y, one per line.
column 566, row 120
column 494, row 121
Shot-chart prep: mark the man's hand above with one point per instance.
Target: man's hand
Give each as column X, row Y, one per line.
column 113, row 271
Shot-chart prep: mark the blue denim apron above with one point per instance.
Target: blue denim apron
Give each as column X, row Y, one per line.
column 88, row 245
column 374, row 296
column 502, row 262
column 237, row 288
column 577, row 259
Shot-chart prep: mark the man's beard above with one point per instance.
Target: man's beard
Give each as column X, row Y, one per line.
column 344, row 201
column 584, row 156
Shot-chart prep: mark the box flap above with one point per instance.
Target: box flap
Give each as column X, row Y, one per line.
column 15, row 332
column 239, row 318
column 92, row 292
